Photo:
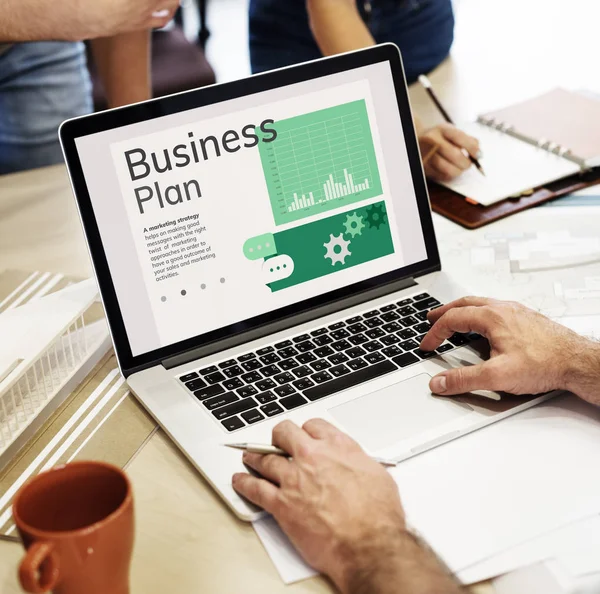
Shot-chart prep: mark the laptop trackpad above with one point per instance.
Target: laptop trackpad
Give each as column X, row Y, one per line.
column 400, row 411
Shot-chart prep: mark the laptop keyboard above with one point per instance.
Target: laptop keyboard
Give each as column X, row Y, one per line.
column 281, row 377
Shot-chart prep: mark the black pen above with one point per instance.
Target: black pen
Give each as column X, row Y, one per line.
column 427, row 86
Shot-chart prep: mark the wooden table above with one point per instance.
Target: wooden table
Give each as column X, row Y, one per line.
column 186, row 540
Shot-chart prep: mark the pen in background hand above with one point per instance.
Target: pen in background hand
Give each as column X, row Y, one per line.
column 257, row 448
column 427, row 86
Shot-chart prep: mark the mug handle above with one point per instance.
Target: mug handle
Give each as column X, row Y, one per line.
column 38, row 571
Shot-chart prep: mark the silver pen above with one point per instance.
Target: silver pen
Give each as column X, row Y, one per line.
column 259, row 448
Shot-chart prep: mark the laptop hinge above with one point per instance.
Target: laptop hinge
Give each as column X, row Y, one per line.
column 295, row 320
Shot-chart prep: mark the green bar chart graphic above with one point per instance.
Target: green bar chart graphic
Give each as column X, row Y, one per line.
column 320, row 161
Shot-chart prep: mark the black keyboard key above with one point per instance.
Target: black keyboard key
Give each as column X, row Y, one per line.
column 208, row 370
column 209, row 392
column 420, row 338
column 458, row 340
column 404, row 302
column 426, row 304
column 233, row 371
column 305, row 346
column 374, row 322
column 288, row 352
column 302, row 371
column 371, row 314
column 188, row 377
column 227, row 363
column 221, row 400
column 319, row 332
column 405, row 359
column 421, row 296
column 246, row 357
column 387, row 308
column 390, row 339
column 392, row 327
column 233, row 423
column 350, row 379
column 320, row 365
column 233, row 383
column 294, row 401
column 284, row 378
column 269, row 370
column 270, row 358
column 265, row 384
column 247, row 391
column 252, row 416
column 357, row 328
column 271, row 409
column 423, row 327
column 321, row 377
column 407, row 310
column 336, row 326
column 375, row 333
column 372, row 346
column 355, row 352
column 357, row 364
column 409, row 345
column 390, row 316
column 302, row 338
column 339, row 334
column 195, row 385
column 338, row 358
column 284, row 390
column 374, row 358
column 445, row 347
column 354, row 320
column 392, row 351
column 324, row 351
column 215, row 378
column 251, row 365
column 408, row 321
column 425, row 354
column 284, row 344
column 339, row 370
column 266, row 397
column 341, row 345
column 406, row 334
column 235, row 408
column 421, row 315
column 252, row 377
column 323, row 340
column 358, row 339
column 306, row 358
column 265, row 350
column 304, row 383
column 289, row 364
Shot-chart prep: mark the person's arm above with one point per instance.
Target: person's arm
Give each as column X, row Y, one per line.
column 530, row 354
column 76, row 20
column 343, row 512
column 123, row 63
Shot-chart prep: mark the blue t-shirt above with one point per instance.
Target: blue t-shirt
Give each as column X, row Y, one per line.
column 280, row 34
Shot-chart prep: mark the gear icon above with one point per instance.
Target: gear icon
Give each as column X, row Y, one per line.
column 354, row 224
column 341, row 253
column 375, row 216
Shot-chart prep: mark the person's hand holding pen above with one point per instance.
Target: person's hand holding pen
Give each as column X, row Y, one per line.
column 455, row 150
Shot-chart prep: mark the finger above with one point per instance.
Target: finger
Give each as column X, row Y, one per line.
column 258, row 491
column 454, row 155
column 443, row 169
column 290, row 438
column 464, row 319
column 161, row 18
column 438, row 312
column 321, row 429
column 272, row 467
column 461, row 139
column 466, row 379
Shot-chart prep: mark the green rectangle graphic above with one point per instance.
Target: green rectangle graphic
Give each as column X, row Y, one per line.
column 320, row 161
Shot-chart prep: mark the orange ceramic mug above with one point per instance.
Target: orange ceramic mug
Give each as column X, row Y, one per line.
column 76, row 522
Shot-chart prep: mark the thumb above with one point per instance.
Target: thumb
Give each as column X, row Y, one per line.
column 463, row 379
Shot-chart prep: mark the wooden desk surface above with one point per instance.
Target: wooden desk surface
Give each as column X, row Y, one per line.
column 186, row 539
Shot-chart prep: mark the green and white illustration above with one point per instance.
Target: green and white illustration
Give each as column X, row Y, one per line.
column 320, row 161
column 322, row 247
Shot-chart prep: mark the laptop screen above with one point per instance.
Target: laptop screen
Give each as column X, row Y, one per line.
column 215, row 215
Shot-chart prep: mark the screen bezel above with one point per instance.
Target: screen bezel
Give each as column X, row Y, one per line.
column 73, row 129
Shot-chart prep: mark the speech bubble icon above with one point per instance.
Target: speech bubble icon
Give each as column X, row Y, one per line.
column 261, row 246
column 277, row 268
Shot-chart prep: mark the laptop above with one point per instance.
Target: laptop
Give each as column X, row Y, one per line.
column 265, row 251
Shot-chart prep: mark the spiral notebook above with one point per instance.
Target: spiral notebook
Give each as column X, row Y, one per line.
column 531, row 144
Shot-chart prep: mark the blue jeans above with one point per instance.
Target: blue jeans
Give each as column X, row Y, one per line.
column 41, row 85
column 423, row 30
